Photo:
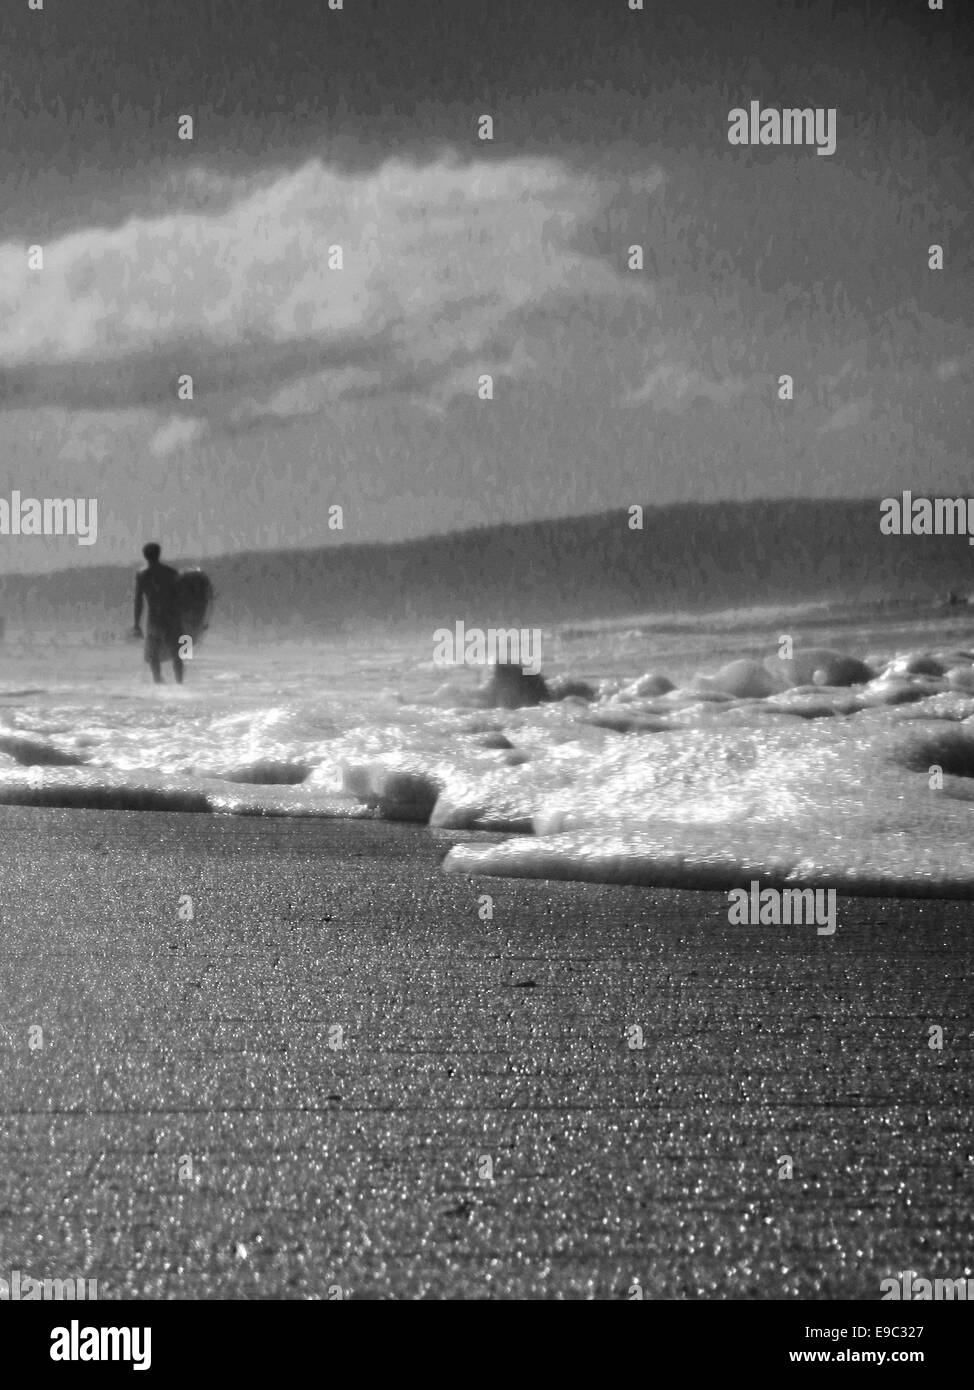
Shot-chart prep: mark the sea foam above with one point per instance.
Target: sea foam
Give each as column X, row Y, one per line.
column 829, row 768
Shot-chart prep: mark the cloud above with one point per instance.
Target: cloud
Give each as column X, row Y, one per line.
column 673, row 385
column 439, row 262
column 175, row 434
column 851, row 413
column 465, row 384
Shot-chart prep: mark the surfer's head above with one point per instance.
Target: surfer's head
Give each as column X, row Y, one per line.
column 152, row 552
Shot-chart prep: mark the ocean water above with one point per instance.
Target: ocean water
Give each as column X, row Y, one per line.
column 748, row 768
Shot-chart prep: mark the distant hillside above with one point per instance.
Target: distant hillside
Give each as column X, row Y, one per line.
column 690, row 556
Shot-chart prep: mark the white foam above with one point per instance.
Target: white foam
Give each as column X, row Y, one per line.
column 699, row 784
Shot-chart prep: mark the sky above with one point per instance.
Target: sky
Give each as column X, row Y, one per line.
column 316, row 386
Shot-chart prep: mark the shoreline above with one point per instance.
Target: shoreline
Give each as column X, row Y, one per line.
column 166, row 1039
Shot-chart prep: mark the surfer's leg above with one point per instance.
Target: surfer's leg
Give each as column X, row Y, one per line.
column 173, row 639
column 153, row 655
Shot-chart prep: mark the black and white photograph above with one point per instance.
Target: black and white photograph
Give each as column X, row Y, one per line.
column 486, row 666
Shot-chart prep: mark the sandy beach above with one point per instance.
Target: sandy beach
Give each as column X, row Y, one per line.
column 306, row 1087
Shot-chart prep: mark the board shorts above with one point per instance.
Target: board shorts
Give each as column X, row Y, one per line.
column 162, row 643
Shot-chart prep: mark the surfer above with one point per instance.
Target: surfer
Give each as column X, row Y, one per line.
column 157, row 586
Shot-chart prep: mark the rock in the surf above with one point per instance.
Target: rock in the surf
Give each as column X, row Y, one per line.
column 509, row 686
column 820, row 666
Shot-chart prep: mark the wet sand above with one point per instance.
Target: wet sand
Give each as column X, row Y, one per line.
column 336, row 1076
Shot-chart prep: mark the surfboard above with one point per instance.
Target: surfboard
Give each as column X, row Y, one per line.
column 195, row 602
